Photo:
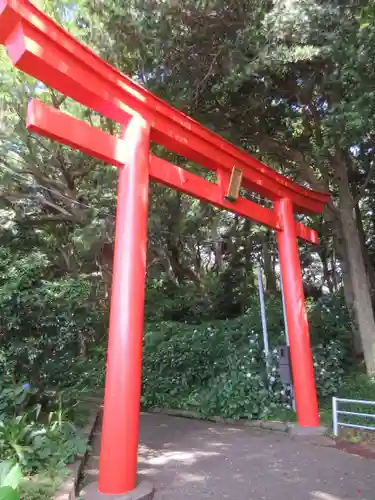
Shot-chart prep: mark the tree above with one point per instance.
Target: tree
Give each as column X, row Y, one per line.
column 290, row 82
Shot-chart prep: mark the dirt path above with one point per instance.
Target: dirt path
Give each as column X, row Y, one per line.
column 188, row 459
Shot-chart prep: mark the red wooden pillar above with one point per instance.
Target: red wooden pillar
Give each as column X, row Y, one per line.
column 298, row 328
column 119, row 447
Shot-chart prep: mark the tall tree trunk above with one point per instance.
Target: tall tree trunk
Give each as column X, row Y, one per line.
column 349, row 300
column 323, row 251
column 339, row 252
column 362, row 304
column 366, row 256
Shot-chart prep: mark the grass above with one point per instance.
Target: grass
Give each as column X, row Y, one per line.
column 42, row 486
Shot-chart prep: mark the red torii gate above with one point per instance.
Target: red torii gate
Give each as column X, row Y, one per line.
column 39, row 47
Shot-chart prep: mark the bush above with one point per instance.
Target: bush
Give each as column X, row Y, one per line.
column 241, row 390
column 52, row 333
column 329, row 321
column 47, row 322
column 329, row 362
column 219, row 369
column 32, row 437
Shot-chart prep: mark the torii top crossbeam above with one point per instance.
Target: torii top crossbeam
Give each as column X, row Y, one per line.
column 39, row 47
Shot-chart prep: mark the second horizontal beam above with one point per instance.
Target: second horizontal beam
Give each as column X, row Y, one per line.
column 50, row 122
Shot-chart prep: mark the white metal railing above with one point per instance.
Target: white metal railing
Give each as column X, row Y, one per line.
column 336, row 414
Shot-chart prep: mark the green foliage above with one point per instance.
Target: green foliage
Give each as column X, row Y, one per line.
column 218, row 368
column 32, row 437
column 14, row 398
column 192, row 302
column 10, row 474
column 290, row 82
column 329, row 320
column 215, row 366
column 8, row 493
column 10, row 477
column 42, row 486
column 38, row 438
column 329, row 365
column 46, row 322
column 241, row 390
column 355, row 385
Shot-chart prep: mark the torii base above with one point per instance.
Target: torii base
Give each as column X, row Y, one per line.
column 144, row 491
column 296, row 430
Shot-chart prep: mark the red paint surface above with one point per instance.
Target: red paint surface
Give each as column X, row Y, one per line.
column 118, row 457
column 298, row 327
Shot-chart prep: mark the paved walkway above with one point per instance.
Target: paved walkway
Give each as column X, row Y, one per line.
column 194, row 460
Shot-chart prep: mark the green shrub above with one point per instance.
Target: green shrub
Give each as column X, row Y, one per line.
column 35, row 434
column 241, row 390
column 14, row 398
column 47, row 322
column 53, row 335
column 219, row 369
column 329, row 321
column 329, row 363
column 358, row 385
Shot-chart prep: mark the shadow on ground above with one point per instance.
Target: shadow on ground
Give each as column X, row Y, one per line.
column 189, row 459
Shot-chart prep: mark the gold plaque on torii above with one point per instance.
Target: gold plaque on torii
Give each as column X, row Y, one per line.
column 234, row 185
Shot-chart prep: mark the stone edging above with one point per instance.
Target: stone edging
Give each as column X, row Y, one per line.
column 68, row 490
column 270, row 425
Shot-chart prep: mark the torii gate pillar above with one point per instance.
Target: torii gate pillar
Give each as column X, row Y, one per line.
column 298, row 328
column 119, row 447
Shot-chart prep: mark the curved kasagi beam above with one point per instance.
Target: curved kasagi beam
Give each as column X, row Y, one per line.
column 50, row 122
column 39, row 47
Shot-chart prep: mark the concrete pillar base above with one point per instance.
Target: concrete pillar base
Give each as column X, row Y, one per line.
column 296, row 430
column 144, row 491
